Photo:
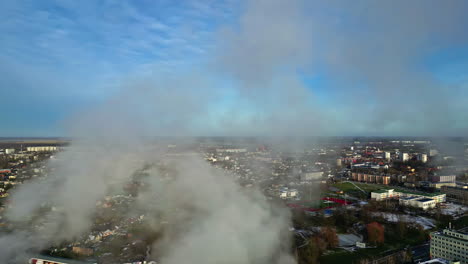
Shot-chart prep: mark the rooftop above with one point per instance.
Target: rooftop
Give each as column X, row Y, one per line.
column 380, row 191
column 410, row 198
column 61, row 260
column 435, row 261
column 418, row 193
column 464, row 230
column 425, row 200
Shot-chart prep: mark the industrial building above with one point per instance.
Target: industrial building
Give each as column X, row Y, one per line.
column 450, row 244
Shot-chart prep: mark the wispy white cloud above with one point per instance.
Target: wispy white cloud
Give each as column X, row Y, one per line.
column 83, row 49
column 70, row 33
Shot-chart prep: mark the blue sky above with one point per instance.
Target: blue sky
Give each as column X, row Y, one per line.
column 60, row 57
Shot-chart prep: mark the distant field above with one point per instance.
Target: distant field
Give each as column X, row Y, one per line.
column 13, row 142
column 32, row 140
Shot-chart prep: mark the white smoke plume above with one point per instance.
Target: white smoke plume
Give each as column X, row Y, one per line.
column 210, row 219
column 217, row 221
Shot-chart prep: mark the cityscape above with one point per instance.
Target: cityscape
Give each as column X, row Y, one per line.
column 234, row 132
column 373, row 200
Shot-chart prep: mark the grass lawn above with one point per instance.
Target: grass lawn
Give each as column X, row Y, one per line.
column 346, row 186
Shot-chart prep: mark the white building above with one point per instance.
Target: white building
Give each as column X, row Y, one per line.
column 232, row 150
column 423, row 203
column 451, row 245
column 380, row 195
column 41, row 149
column 387, row 155
column 310, row 176
column 404, row 156
column 288, row 193
column 338, row 162
column 9, row 151
column 422, row 157
column 437, row 261
column 406, row 201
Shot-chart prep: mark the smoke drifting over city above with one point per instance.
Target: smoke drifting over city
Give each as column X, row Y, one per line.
column 263, row 61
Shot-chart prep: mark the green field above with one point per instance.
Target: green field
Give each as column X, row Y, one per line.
column 351, row 190
column 346, row 186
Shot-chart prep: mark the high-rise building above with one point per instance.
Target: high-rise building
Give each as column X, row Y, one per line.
column 338, row 162
column 387, row 155
column 422, row 157
column 404, row 156
column 450, row 244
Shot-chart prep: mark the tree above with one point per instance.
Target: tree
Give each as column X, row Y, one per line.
column 310, row 253
column 320, row 243
column 376, row 233
column 330, row 237
column 401, row 228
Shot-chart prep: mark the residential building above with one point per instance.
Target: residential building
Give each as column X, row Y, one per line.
column 439, row 185
column 450, row 244
column 459, row 194
column 387, row 155
column 404, row 156
column 338, row 162
column 422, row 157
column 443, row 178
column 52, row 260
column 232, row 150
column 41, row 149
column 439, row 261
column 287, row 193
column 309, row 176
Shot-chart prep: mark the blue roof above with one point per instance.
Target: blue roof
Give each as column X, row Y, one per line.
column 425, row 200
